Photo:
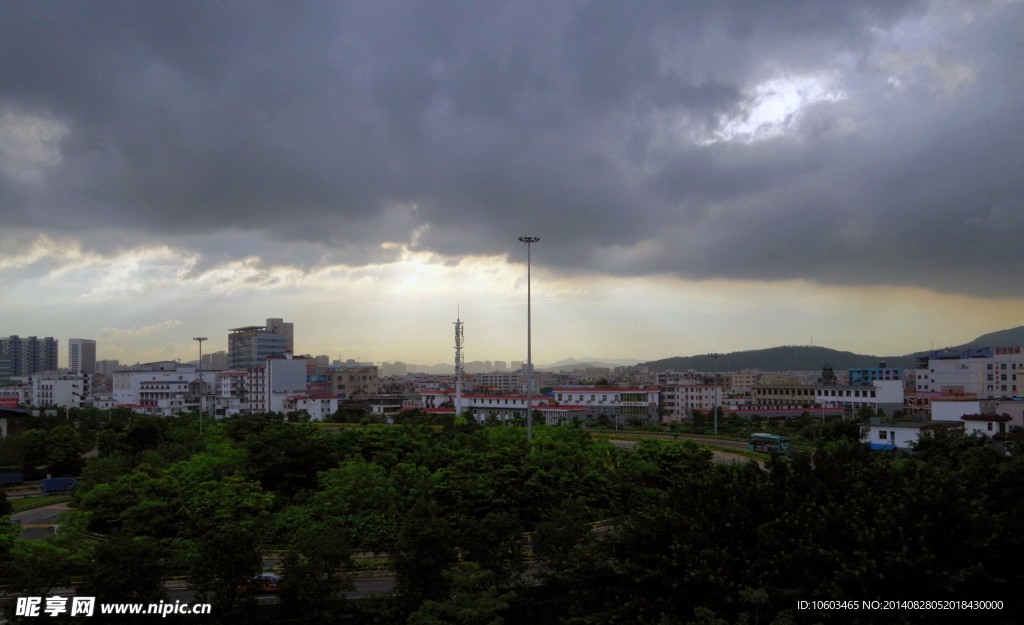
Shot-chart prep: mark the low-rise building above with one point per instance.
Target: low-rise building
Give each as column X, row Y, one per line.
column 348, row 382
column 638, row 404
column 58, row 389
column 679, row 401
column 903, row 435
column 163, row 388
column 885, row 395
column 319, row 408
column 991, row 425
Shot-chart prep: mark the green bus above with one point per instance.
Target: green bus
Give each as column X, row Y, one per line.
column 769, row 444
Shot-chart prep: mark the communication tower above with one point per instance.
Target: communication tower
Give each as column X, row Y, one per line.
column 458, row 366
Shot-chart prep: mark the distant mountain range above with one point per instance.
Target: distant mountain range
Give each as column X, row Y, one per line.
column 587, row 363
column 786, row 358
column 562, row 365
column 809, row 358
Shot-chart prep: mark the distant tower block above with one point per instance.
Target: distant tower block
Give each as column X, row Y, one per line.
column 458, row 366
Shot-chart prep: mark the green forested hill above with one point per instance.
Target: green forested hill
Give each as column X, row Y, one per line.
column 1003, row 338
column 786, row 358
column 808, row 358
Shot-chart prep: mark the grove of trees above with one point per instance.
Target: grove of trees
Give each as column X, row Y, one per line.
column 477, row 527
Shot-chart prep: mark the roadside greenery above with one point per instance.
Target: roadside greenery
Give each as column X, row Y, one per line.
column 478, row 527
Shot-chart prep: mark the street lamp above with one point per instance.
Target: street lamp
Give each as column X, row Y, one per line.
column 529, row 241
column 200, row 339
column 715, row 382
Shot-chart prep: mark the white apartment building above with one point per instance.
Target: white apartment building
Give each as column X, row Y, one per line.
column 884, row 395
column 255, row 390
column 504, row 407
column 270, row 387
column 640, row 403
column 51, row 389
column 678, row 401
column 499, row 382
column 161, row 388
column 984, row 374
column 483, row 406
column 318, row 408
column 169, row 388
column 231, row 393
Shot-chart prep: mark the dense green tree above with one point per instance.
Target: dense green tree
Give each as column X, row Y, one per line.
column 126, row 569
column 360, row 497
column 36, row 567
column 474, row 600
column 286, row 459
column 144, row 502
column 495, row 543
column 64, row 447
column 314, row 579
column 228, row 523
column 9, row 532
column 425, row 550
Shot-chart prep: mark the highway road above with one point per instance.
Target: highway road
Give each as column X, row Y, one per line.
column 35, row 523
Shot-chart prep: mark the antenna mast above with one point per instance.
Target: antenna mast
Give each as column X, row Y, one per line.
column 458, row 366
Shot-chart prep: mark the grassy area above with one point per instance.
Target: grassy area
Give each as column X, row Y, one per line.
column 28, row 503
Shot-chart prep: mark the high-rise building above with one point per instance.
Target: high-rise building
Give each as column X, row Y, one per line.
column 30, row 354
column 107, row 367
column 394, row 369
column 287, row 330
column 216, row 361
column 250, row 346
column 6, row 370
column 81, row 356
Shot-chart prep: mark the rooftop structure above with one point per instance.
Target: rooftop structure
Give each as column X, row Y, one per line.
column 250, row 346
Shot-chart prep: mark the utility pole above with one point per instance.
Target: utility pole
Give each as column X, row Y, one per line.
column 715, row 389
column 529, row 241
column 200, row 339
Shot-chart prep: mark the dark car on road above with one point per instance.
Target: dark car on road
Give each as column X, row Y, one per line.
column 264, row 583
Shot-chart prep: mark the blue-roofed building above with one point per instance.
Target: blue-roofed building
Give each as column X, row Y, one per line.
column 866, row 376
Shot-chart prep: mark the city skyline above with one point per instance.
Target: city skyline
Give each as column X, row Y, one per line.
column 704, row 177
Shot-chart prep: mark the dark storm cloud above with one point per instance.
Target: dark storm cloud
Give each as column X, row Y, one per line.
column 331, row 127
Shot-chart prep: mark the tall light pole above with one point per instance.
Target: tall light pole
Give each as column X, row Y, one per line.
column 715, row 382
column 529, row 241
column 200, row 339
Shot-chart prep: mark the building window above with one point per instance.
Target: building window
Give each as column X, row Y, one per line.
column 882, row 435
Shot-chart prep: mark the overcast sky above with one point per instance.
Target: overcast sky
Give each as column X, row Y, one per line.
column 704, row 175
